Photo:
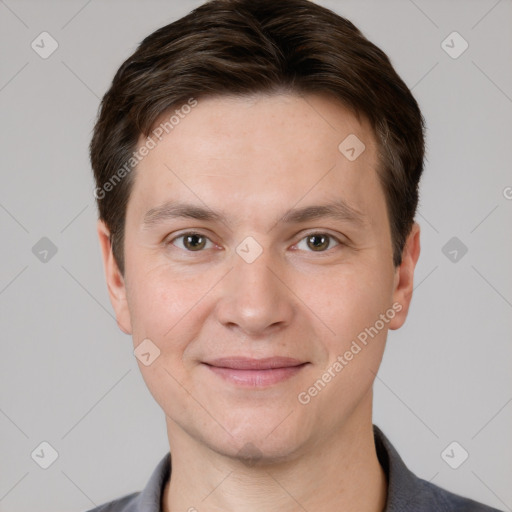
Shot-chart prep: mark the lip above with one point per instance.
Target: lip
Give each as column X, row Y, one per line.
column 249, row 372
column 247, row 363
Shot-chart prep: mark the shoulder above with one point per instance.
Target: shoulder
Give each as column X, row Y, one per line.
column 446, row 501
column 126, row 503
column 409, row 493
column 147, row 500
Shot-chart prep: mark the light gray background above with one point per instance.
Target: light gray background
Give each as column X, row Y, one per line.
column 68, row 374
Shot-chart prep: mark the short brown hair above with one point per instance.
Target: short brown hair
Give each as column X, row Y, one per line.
column 240, row 47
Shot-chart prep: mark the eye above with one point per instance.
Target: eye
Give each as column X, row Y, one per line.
column 318, row 242
column 314, row 242
column 192, row 242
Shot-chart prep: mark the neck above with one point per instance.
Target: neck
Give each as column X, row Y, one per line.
column 338, row 472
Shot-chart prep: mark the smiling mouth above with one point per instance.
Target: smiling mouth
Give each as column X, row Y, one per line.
column 255, row 372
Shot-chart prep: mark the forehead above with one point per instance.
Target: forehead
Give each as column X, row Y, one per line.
column 255, row 151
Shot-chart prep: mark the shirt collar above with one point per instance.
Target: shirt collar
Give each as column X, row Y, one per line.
column 401, row 481
column 150, row 499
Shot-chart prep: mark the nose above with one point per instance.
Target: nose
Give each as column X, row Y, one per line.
column 254, row 297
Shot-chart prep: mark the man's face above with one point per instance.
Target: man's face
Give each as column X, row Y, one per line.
column 260, row 280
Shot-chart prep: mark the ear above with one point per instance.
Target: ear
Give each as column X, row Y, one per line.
column 404, row 277
column 115, row 281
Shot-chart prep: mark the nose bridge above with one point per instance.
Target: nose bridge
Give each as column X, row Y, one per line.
column 253, row 276
column 253, row 297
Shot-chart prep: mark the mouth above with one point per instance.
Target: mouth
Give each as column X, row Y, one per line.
column 255, row 372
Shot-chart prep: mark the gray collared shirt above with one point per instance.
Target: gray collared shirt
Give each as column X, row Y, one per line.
column 406, row 492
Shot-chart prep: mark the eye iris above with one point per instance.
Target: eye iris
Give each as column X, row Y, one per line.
column 318, row 242
column 191, row 242
column 195, row 242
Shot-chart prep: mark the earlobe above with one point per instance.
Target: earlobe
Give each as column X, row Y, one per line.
column 404, row 277
column 115, row 280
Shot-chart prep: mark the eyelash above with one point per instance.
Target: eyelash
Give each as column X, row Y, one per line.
column 331, row 237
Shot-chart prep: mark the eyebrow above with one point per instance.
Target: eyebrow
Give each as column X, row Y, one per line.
column 338, row 210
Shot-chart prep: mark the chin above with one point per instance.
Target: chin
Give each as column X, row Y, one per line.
column 258, row 453
column 257, row 444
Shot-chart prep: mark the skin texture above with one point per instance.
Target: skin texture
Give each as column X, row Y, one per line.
column 252, row 159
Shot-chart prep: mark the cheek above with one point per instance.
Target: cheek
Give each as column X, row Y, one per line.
column 160, row 300
column 349, row 299
column 166, row 309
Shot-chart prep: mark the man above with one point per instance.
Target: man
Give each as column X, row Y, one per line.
column 257, row 167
